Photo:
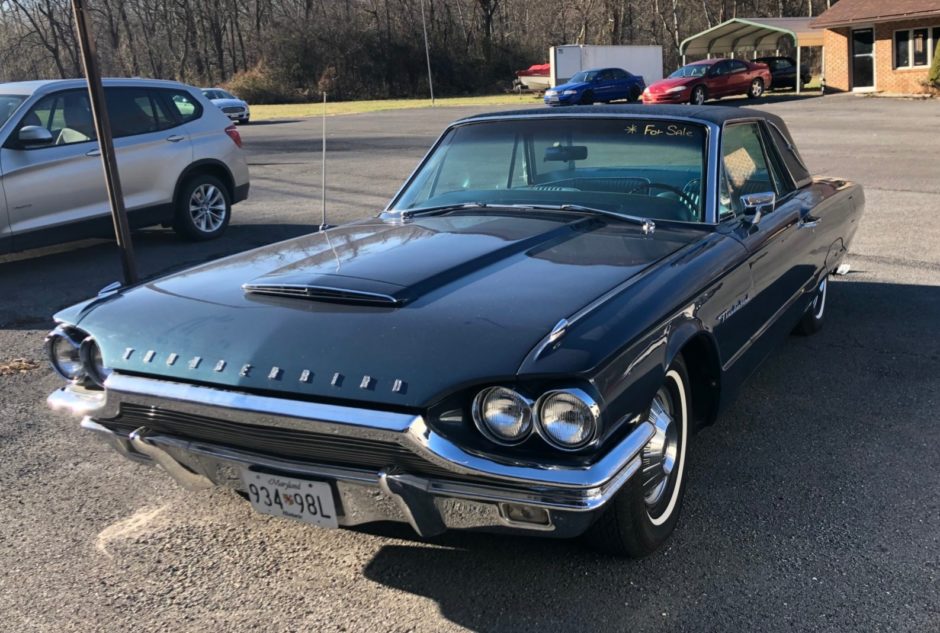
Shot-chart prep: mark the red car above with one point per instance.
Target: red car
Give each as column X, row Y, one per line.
column 710, row 79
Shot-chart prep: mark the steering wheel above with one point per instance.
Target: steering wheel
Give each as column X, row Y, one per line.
column 684, row 197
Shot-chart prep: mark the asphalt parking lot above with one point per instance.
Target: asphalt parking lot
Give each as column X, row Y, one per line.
column 813, row 504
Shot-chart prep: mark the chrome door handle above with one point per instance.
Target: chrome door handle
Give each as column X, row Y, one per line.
column 94, row 152
column 809, row 222
column 175, row 138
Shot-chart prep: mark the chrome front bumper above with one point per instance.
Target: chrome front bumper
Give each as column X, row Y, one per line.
column 484, row 493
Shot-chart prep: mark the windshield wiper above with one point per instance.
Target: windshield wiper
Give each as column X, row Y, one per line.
column 645, row 224
column 443, row 208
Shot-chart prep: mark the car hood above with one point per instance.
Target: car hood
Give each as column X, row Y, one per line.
column 471, row 296
column 226, row 103
column 581, row 85
column 665, row 84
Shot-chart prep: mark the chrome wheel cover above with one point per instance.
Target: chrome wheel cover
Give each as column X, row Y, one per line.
column 757, row 88
column 663, row 457
column 207, row 208
column 698, row 96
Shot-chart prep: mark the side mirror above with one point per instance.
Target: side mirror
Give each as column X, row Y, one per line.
column 756, row 205
column 34, row 136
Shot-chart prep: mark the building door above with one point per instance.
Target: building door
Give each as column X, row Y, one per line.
column 863, row 59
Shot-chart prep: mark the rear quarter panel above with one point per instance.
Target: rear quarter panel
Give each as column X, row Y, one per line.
column 210, row 142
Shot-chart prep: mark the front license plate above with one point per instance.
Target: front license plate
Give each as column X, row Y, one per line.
column 280, row 496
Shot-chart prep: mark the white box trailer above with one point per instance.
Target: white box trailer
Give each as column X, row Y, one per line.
column 569, row 59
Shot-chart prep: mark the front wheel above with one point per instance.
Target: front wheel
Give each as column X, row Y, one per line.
column 587, row 99
column 756, row 89
column 698, row 95
column 815, row 315
column 203, row 208
column 643, row 514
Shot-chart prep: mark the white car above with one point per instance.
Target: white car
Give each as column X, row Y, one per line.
column 180, row 161
column 234, row 108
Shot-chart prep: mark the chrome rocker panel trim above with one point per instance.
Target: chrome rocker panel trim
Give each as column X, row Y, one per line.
column 415, row 499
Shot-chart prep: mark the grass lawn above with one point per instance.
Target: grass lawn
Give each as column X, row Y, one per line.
column 294, row 110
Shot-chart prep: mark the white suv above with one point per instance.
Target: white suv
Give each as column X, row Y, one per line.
column 179, row 159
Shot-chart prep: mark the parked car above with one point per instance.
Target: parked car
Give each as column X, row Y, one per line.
column 179, row 158
column 597, row 85
column 524, row 340
column 698, row 82
column 783, row 71
column 234, row 108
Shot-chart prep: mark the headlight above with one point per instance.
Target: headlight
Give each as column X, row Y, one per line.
column 550, row 93
column 568, row 418
column 677, row 89
column 93, row 362
column 570, row 92
column 502, row 415
column 62, row 347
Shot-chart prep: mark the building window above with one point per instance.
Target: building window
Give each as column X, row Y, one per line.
column 914, row 48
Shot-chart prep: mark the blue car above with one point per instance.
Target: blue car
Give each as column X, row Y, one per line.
column 601, row 84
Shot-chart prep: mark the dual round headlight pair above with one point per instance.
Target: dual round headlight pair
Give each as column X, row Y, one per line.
column 75, row 356
column 565, row 418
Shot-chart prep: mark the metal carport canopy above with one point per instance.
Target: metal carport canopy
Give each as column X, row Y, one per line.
column 751, row 34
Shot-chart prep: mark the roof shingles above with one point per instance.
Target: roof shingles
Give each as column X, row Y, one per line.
column 847, row 12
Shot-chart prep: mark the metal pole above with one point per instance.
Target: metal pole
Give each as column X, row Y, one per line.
column 323, row 225
column 99, row 111
column 799, row 70
column 427, row 51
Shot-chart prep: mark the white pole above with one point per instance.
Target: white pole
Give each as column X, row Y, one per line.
column 799, row 70
column 427, row 51
column 323, row 167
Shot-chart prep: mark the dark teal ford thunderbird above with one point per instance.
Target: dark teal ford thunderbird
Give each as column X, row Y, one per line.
column 525, row 339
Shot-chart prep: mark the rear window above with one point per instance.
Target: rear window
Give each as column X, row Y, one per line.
column 186, row 106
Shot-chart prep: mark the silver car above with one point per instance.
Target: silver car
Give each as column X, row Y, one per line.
column 234, row 108
column 179, row 158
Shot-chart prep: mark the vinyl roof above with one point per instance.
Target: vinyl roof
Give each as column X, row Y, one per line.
column 750, row 34
column 705, row 113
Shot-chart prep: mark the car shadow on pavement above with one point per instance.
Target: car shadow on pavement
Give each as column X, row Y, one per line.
column 35, row 284
column 798, row 497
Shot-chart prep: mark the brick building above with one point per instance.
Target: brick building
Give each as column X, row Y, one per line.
column 879, row 45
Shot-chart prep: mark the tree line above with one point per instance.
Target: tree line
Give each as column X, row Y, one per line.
column 286, row 50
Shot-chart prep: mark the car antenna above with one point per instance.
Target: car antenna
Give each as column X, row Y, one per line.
column 323, row 225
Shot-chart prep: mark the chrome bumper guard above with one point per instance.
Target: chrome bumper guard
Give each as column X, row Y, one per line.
column 515, row 495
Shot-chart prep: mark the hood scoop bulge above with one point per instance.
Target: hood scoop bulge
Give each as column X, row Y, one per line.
column 331, row 288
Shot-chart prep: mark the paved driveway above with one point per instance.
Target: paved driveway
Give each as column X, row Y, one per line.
column 813, row 505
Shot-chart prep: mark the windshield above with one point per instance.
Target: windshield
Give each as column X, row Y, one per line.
column 8, row 105
column 584, row 76
column 216, row 94
column 692, row 70
column 644, row 167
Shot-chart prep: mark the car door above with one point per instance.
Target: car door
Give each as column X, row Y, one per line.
column 153, row 148
column 780, row 254
column 603, row 86
column 717, row 79
column 56, row 183
column 739, row 77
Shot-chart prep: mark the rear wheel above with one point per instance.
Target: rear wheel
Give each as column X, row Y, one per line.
column 815, row 315
column 756, row 90
column 699, row 95
column 643, row 514
column 203, row 208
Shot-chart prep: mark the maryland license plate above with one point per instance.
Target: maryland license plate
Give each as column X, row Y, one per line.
column 280, row 496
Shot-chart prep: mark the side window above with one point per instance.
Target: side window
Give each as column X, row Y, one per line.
column 783, row 64
column 744, row 168
column 737, row 65
column 67, row 116
column 134, row 111
column 185, row 105
column 790, row 156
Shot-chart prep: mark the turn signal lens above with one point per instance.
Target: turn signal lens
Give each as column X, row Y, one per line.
column 502, row 415
column 568, row 418
column 62, row 348
column 93, row 362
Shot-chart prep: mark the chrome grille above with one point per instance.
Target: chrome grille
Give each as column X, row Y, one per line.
column 307, row 446
column 232, row 109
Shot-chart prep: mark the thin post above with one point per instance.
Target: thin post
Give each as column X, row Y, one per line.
column 799, row 69
column 323, row 225
column 427, row 51
column 99, row 112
